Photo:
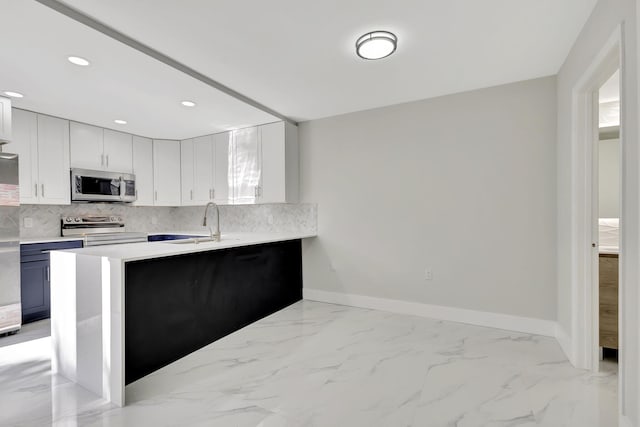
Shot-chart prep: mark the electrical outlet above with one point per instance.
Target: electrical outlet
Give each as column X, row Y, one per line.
column 28, row 222
column 428, row 274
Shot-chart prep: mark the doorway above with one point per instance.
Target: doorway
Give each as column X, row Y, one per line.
column 607, row 198
column 585, row 284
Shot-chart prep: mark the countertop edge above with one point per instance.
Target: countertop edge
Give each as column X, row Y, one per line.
column 172, row 249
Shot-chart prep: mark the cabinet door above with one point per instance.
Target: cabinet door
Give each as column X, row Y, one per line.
column 272, row 150
column 143, row 170
column 186, row 171
column 166, row 172
column 34, row 289
column 25, row 144
column 203, row 170
column 5, row 119
column 246, row 166
column 222, row 147
column 87, row 146
column 53, row 160
column 118, row 151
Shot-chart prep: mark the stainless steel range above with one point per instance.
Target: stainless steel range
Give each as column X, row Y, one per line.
column 100, row 230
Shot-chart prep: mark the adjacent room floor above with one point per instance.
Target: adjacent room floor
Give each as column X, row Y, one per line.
column 316, row 364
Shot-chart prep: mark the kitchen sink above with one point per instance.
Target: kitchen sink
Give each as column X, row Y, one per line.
column 196, row 240
column 192, row 240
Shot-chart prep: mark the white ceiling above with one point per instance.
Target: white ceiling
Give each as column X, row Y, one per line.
column 121, row 83
column 297, row 57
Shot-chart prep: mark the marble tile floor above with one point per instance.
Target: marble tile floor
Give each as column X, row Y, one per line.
column 318, row 365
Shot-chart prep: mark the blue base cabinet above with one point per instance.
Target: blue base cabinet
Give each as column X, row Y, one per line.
column 35, row 285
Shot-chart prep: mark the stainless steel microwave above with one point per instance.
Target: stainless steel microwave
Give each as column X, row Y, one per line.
column 101, row 186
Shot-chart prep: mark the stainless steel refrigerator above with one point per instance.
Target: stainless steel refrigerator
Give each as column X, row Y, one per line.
column 10, row 308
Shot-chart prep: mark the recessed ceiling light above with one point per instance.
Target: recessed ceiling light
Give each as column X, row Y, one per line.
column 376, row 45
column 188, row 103
column 120, row 121
column 78, row 61
column 13, row 94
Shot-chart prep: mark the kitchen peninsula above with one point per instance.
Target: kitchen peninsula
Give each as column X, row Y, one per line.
column 120, row 312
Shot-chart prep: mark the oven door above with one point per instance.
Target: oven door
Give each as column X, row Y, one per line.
column 97, row 186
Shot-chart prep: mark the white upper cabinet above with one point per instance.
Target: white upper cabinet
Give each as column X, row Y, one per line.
column 118, row 151
column 5, row 119
column 87, row 144
column 96, row 148
column 245, row 168
column 42, row 142
column 186, row 171
column 203, row 169
column 143, row 170
column 166, row 172
column 53, row 161
column 265, row 164
column 25, row 143
column 222, row 144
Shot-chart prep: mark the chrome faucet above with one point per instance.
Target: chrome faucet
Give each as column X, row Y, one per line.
column 214, row 236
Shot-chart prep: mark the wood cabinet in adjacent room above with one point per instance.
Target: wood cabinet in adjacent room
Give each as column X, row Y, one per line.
column 609, row 301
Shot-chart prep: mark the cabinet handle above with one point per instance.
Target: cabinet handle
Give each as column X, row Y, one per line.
column 191, row 194
column 255, row 191
column 36, row 186
column 155, row 195
column 107, row 160
column 101, row 159
column 136, row 194
column 48, row 275
column 42, row 188
column 213, row 193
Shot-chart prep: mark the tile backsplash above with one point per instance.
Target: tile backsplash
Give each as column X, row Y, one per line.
column 45, row 219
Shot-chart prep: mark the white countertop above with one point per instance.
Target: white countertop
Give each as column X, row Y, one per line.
column 146, row 250
column 30, row 240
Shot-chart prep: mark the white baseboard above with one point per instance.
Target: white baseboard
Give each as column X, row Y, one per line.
column 452, row 314
column 565, row 343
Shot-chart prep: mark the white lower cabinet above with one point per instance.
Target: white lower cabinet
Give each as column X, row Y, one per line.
column 166, row 173
column 42, row 143
column 142, row 149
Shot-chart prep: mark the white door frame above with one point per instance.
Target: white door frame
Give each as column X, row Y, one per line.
column 584, row 286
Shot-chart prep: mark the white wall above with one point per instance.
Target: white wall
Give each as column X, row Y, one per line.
column 609, row 177
column 463, row 184
column 607, row 15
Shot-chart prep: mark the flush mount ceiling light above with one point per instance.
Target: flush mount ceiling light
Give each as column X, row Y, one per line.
column 376, row 45
column 13, row 94
column 120, row 121
column 188, row 103
column 78, row 61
